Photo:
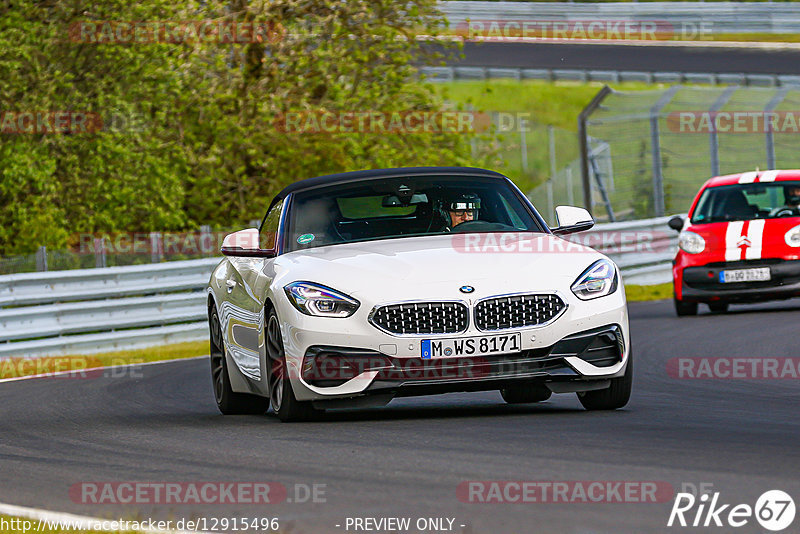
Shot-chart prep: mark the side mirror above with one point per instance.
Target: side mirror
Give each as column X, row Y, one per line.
column 244, row 244
column 676, row 223
column 572, row 219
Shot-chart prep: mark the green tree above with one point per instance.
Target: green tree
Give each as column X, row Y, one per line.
column 190, row 132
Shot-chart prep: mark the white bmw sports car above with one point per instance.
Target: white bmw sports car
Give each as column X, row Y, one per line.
column 364, row 286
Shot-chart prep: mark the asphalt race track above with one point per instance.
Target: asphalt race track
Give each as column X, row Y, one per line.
column 650, row 58
column 407, row 459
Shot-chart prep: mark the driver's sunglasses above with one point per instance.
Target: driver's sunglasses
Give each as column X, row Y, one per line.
column 461, row 213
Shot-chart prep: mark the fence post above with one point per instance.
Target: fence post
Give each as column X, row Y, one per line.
column 655, row 148
column 206, row 240
column 602, row 188
column 156, row 247
column 713, row 139
column 473, row 147
column 41, row 259
column 523, row 145
column 551, row 134
column 658, row 171
column 99, row 252
column 769, row 136
column 583, row 139
column 570, row 195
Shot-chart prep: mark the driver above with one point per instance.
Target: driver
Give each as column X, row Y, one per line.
column 463, row 208
column 791, row 195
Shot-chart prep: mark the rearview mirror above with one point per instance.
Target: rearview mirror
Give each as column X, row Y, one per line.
column 572, row 219
column 393, row 201
column 676, row 223
column 244, row 243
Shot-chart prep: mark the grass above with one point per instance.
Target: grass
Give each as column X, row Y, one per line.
column 686, row 160
column 655, row 292
column 557, row 103
column 18, row 367
column 759, row 37
column 543, row 103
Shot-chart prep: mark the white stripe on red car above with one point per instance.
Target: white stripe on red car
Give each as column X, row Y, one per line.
column 748, row 177
column 743, row 240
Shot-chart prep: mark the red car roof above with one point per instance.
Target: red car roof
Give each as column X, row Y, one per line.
column 754, row 176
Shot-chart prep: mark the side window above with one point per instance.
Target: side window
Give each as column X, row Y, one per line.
column 268, row 236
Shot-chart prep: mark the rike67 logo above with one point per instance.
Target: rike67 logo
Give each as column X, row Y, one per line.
column 774, row 510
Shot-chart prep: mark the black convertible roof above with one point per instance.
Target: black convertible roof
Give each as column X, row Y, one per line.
column 354, row 176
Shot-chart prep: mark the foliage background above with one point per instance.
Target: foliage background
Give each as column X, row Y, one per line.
column 196, row 143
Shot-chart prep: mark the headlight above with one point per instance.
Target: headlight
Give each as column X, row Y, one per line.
column 598, row 280
column 792, row 237
column 320, row 301
column 691, row 242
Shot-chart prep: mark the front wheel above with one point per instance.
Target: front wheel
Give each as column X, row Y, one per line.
column 718, row 307
column 281, row 396
column 682, row 309
column 613, row 397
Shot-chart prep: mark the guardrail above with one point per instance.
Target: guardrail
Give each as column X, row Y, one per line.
column 25, row 289
column 642, row 249
column 444, row 74
column 114, row 308
column 107, row 309
column 715, row 17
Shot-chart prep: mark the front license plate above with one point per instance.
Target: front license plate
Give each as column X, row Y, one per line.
column 761, row 274
column 471, row 346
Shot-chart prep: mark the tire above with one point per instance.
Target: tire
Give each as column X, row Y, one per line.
column 281, row 396
column 718, row 307
column 525, row 394
column 683, row 309
column 228, row 402
column 613, row 397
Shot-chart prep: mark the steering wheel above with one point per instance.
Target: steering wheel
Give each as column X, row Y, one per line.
column 481, row 226
column 785, row 212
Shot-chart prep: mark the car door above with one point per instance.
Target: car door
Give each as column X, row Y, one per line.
column 247, row 287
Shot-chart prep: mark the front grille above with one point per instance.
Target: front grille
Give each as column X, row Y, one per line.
column 422, row 318
column 517, row 311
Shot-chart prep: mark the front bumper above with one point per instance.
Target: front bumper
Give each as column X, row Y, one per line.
column 701, row 283
column 355, row 334
column 385, row 377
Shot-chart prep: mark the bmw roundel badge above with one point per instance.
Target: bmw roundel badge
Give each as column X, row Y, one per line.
column 466, row 289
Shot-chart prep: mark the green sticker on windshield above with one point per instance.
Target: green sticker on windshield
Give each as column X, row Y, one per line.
column 305, row 238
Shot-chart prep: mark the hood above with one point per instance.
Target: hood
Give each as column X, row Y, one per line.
column 437, row 266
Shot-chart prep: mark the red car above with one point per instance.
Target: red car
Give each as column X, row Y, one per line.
column 740, row 242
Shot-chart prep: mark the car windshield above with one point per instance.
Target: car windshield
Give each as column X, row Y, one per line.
column 404, row 207
column 742, row 202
